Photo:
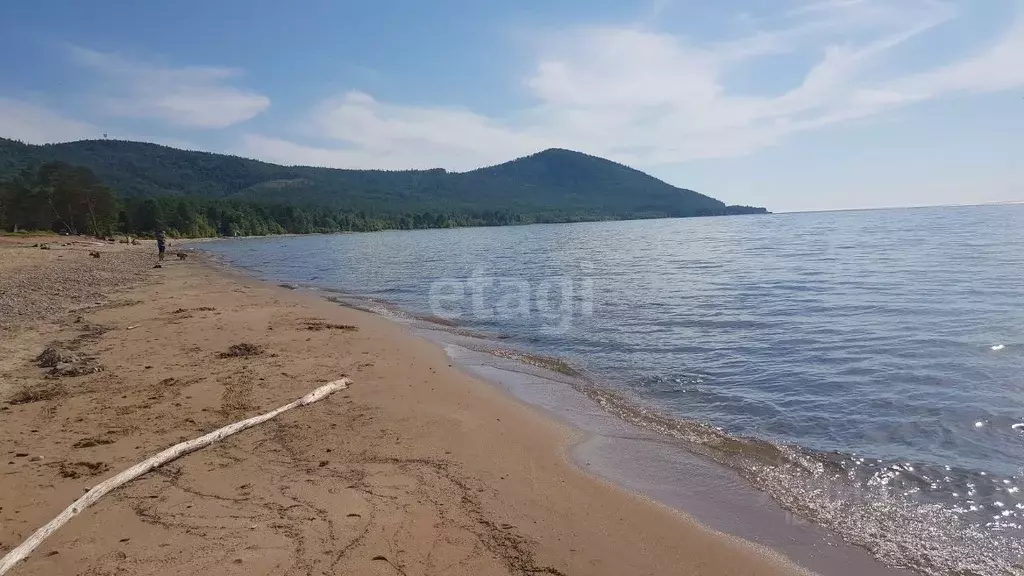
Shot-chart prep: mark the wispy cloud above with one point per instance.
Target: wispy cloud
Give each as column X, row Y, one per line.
column 191, row 96
column 35, row 124
column 369, row 131
column 648, row 97
column 825, row 6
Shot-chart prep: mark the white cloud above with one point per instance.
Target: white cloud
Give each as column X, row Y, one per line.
column 999, row 67
column 34, row 124
column 825, row 6
column 649, row 98
column 378, row 135
column 192, row 97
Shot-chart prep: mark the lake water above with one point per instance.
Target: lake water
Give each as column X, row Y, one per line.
column 865, row 369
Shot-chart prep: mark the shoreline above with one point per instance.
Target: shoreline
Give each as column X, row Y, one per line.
column 611, row 445
column 890, row 495
column 417, row 468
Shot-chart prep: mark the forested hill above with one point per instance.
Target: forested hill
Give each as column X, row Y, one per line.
column 554, row 185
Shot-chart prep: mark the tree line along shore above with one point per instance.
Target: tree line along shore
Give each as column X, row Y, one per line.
column 105, row 187
column 71, row 199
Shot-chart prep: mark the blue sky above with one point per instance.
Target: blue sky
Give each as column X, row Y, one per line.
column 789, row 104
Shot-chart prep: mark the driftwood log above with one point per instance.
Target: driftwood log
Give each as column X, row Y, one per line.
column 168, row 455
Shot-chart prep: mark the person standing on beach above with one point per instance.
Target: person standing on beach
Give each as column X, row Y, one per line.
column 161, row 243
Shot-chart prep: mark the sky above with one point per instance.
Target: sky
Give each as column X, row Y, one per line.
column 789, row 104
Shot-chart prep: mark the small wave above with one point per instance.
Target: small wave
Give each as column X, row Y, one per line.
column 450, row 326
column 547, row 362
column 381, row 308
column 439, row 320
column 998, row 347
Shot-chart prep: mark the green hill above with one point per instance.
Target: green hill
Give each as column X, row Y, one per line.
column 553, row 185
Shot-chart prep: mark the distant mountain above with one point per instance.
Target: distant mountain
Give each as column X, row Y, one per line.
column 553, row 185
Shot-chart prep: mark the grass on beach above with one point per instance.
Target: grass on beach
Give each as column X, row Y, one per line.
column 28, row 395
column 318, row 325
column 243, row 350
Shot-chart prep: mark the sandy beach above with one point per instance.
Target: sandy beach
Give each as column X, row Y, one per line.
column 416, row 469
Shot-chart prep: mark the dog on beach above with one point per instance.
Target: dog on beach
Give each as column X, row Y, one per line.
column 182, row 255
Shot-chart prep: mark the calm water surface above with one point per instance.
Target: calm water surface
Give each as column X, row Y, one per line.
column 880, row 354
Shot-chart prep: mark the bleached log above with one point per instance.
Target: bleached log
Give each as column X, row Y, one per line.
column 168, row 455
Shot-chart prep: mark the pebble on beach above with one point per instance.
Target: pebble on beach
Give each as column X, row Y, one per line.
column 29, row 292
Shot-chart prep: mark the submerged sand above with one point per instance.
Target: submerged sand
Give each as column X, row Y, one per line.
column 417, row 469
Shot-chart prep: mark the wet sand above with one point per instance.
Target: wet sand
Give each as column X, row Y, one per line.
column 418, row 468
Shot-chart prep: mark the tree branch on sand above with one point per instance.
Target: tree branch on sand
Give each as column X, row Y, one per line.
column 168, row 455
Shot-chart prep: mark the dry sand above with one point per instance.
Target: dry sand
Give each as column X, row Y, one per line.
column 417, row 469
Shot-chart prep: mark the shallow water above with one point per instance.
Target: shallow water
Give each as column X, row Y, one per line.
column 865, row 369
